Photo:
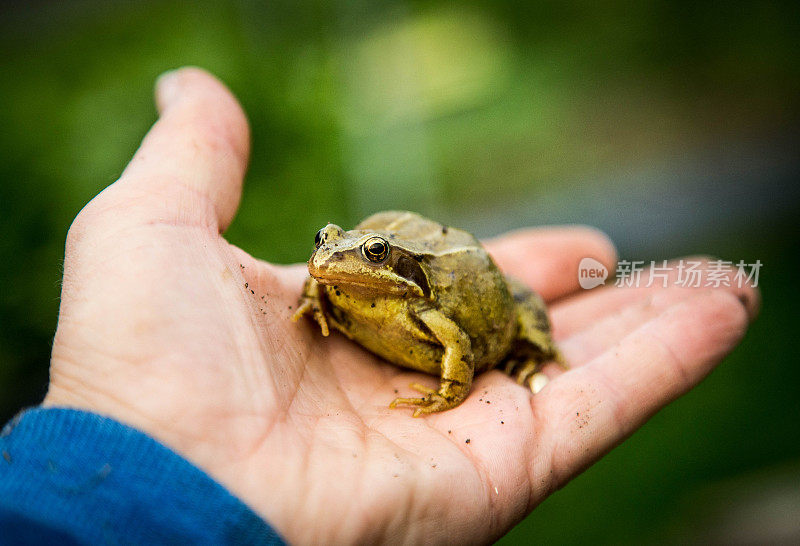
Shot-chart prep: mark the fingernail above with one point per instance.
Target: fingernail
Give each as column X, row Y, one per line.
column 167, row 89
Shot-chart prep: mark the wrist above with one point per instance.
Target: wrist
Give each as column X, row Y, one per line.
column 105, row 481
column 84, row 398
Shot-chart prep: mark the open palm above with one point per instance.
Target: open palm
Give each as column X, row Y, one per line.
column 167, row 327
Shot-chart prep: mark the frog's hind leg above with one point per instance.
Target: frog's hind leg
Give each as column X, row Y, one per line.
column 534, row 344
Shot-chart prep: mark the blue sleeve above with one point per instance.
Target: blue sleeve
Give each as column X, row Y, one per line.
column 71, row 477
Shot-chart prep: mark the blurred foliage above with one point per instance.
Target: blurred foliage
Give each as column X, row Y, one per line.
column 433, row 106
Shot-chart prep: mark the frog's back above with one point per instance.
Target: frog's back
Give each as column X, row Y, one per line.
column 429, row 236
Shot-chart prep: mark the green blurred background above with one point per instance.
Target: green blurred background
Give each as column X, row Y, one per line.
column 672, row 126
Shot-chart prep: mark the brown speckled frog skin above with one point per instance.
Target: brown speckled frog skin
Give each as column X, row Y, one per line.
column 427, row 297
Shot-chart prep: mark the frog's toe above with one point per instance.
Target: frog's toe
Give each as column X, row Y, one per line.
column 449, row 395
column 304, row 308
column 437, row 404
column 413, row 401
column 431, row 403
column 524, row 372
column 422, row 388
column 427, row 391
column 310, row 306
column 319, row 316
column 408, row 402
column 510, row 365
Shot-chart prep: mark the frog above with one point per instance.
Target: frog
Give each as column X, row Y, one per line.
column 427, row 297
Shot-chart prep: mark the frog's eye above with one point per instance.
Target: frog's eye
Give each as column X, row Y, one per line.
column 375, row 249
column 318, row 239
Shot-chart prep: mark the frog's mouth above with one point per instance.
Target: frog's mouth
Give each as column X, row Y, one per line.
column 361, row 276
column 360, row 284
column 382, row 283
column 343, row 280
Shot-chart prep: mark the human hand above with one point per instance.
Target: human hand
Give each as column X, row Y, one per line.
column 167, row 327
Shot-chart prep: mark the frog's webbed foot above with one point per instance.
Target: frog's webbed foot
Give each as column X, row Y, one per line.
column 449, row 395
column 527, row 372
column 311, row 302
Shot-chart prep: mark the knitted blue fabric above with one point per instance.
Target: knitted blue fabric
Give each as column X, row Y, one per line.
column 72, row 477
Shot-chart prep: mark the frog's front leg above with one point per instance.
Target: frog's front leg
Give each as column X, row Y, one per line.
column 311, row 301
column 456, row 367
